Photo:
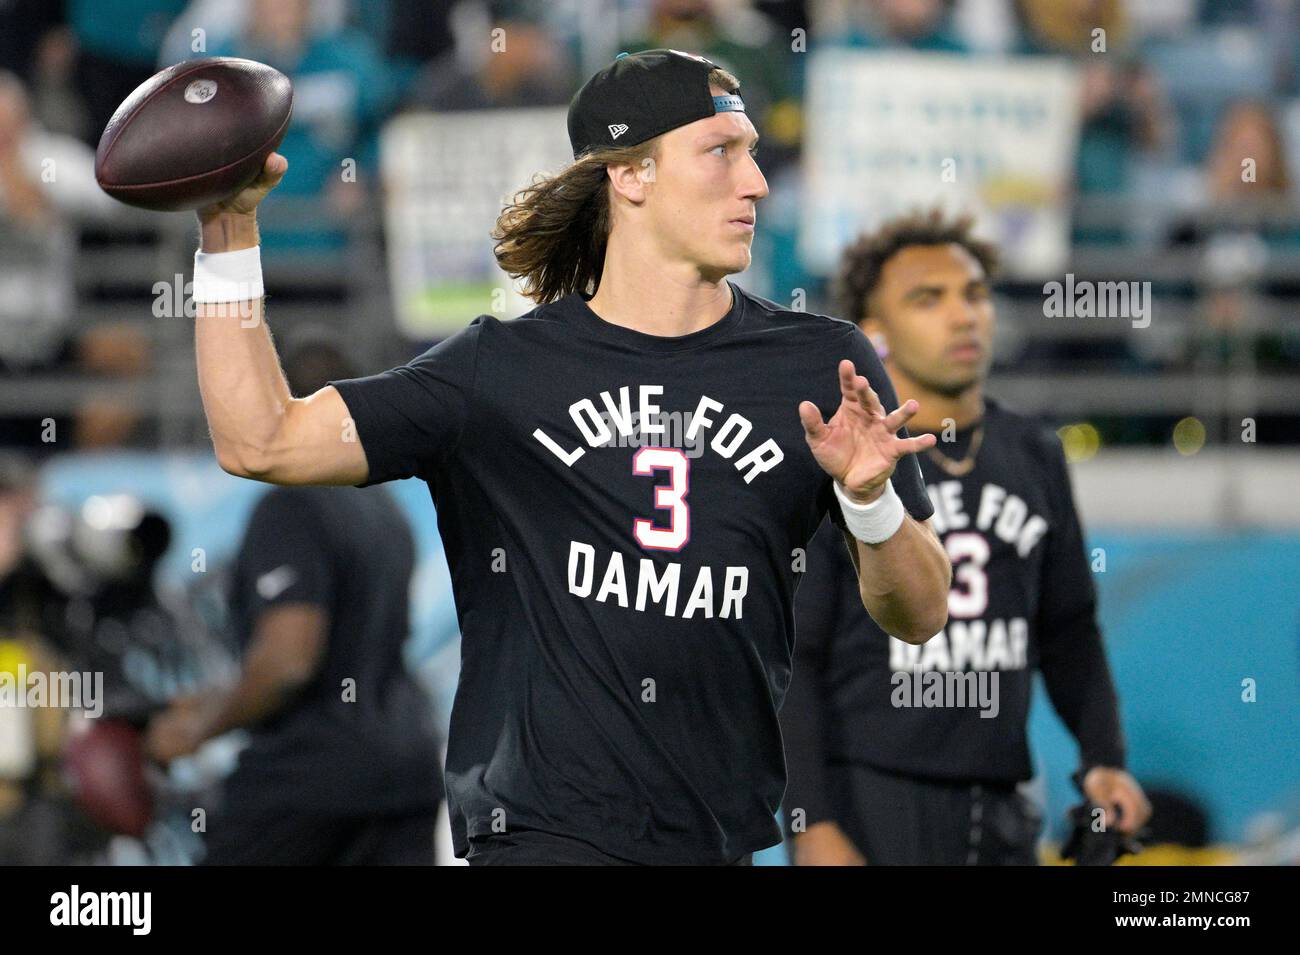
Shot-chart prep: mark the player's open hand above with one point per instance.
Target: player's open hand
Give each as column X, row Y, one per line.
column 860, row 446
column 245, row 201
column 826, row 844
column 1114, row 789
column 173, row 733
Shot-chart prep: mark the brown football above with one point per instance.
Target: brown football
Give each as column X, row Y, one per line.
column 103, row 760
column 194, row 134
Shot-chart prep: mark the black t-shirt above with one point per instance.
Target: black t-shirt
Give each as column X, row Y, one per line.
column 359, row 738
column 1022, row 599
column 626, row 611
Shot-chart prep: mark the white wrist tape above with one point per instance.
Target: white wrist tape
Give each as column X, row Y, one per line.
column 228, row 276
column 876, row 522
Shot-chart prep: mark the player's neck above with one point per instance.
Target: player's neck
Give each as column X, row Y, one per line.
column 657, row 298
column 937, row 409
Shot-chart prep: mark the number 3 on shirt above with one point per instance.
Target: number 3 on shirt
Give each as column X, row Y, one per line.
column 969, row 597
column 670, row 497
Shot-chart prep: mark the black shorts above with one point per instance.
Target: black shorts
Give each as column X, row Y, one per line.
column 903, row 820
column 530, row 847
column 294, row 838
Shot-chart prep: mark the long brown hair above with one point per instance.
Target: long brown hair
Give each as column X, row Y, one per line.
column 553, row 232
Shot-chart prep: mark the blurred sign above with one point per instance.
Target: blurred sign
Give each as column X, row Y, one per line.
column 446, row 178
column 891, row 132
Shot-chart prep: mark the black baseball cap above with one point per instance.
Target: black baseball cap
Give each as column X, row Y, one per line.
column 641, row 95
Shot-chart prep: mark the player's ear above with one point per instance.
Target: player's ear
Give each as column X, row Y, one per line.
column 629, row 181
column 874, row 329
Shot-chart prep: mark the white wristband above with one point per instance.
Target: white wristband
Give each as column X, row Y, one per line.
column 876, row 522
column 228, row 276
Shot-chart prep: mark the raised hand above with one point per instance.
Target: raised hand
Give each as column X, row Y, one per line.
column 245, row 201
column 860, row 447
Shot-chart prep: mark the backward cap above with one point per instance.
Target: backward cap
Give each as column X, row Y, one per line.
column 638, row 97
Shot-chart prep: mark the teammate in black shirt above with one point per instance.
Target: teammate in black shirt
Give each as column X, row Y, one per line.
column 907, row 754
column 342, row 764
column 624, row 479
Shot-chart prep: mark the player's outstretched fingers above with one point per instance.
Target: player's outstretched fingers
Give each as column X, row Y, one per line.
column 850, row 381
column 813, row 425
column 918, row 443
column 857, row 388
column 902, row 414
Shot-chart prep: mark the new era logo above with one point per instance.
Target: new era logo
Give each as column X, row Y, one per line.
column 617, row 129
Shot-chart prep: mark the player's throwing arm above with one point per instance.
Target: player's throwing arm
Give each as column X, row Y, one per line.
column 903, row 572
column 258, row 429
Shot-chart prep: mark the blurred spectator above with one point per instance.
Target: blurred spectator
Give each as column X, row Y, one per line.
column 37, row 46
column 418, row 32
column 900, row 24
column 207, row 24
column 219, row 21
column 46, row 180
column 1247, row 159
column 408, row 32
column 1242, row 184
column 1240, row 216
column 24, row 25
column 985, row 26
column 1123, row 111
column 341, row 94
column 33, row 817
column 117, row 49
column 1067, row 26
column 47, row 187
column 523, row 65
column 43, row 175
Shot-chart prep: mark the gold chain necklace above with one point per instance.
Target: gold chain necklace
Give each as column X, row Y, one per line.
column 966, row 464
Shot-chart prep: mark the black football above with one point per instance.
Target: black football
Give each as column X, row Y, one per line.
column 194, row 134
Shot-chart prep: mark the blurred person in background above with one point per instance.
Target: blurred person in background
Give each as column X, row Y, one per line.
column 1124, row 113
column 203, row 24
column 343, row 764
column 408, row 32
column 341, row 93
column 117, row 43
column 78, row 594
column 32, row 823
column 37, row 46
column 524, row 65
column 122, row 621
column 47, row 190
column 923, row 25
column 1238, row 215
column 24, row 26
column 1243, row 179
column 877, row 774
column 418, row 33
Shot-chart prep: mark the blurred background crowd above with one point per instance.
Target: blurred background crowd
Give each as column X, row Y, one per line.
column 98, row 398
column 1184, row 90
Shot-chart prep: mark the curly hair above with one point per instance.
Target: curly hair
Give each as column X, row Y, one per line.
column 553, row 232
column 864, row 260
